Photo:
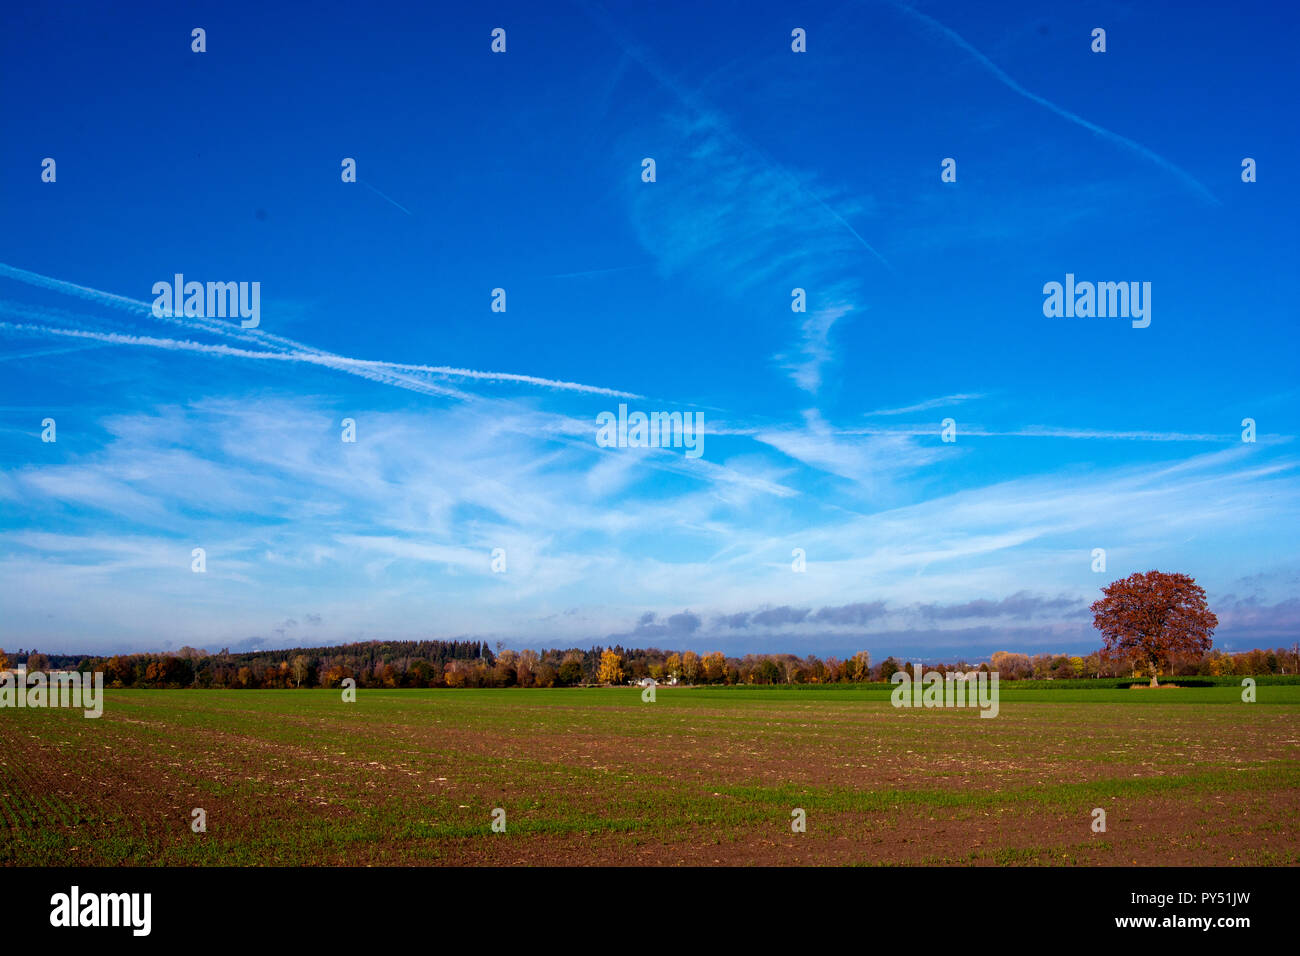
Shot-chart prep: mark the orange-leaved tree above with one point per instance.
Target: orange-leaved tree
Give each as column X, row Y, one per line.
column 1150, row 616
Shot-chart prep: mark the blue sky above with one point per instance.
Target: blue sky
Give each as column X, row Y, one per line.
column 522, row 170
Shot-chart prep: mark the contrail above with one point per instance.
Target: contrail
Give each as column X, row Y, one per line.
column 38, row 353
column 71, row 288
column 182, row 345
column 843, row 222
column 192, row 325
column 941, row 402
column 1043, row 431
column 316, row 358
column 492, row 376
column 389, row 198
column 1011, row 84
column 366, row 368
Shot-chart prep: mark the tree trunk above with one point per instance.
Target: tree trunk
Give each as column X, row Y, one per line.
column 1155, row 670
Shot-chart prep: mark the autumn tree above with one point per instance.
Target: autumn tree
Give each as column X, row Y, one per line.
column 860, row 664
column 1092, row 665
column 714, row 666
column 888, row 668
column 506, row 671
column 611, row 667
column 570, row 671
column 4, row 660
column 456, row 673
column 691, row 667
column 1011, row 666
column 334, row 675
column 1150, row 616
column 526, row 668
column 673, row 666
column 815, row 669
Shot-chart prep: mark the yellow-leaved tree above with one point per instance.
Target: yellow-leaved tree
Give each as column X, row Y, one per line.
column 860, row 666
column 673, row 666
column 714, row 666
column 691, row 668
column 611, row 668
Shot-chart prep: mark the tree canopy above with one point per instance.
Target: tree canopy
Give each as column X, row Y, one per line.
column 1153, row 615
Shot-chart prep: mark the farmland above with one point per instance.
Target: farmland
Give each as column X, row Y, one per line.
column 699, row 776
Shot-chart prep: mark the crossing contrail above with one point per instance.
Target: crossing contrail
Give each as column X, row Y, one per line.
column 391, row 373
column 1078, row 120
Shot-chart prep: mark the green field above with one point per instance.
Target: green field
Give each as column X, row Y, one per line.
column 596, row 776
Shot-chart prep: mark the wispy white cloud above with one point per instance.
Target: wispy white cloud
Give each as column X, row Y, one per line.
column 393, row 536
column 732, row 221
column 736, row 211
column 866, row 462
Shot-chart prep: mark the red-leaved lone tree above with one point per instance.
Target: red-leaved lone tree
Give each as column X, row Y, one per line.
column 1150, row 616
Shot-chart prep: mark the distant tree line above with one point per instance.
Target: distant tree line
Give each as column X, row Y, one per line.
column 379, row 664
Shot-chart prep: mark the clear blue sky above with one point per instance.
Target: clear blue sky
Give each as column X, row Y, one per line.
column 522, row 170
